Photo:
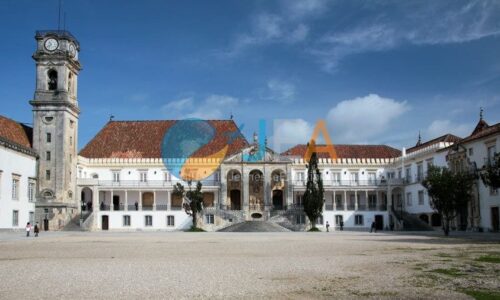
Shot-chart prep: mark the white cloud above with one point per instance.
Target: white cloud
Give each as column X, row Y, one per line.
column 364, row 119
column 304, row 8
column 280, row 91
column 427, row 24
column 289, row 132
column 440, row 127
column 178, row 105
column 214, row 106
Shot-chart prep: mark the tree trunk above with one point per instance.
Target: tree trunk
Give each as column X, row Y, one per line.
column 194, row 220
column 446, row 227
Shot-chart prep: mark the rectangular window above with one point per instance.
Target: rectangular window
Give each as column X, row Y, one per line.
column 336, row 178
column 372, row 201
column 298, row 200
column 491, row 154
column 420, row 172
column 408, row 199
column 47, row 175
column 209, row 219
column 144, row 176
column 354, row 178
column 171, row 221
column 319, row 221
column 47, row 156
column 148, row 221
column 408, row 174
column 15, row 218
column 358, row 220
column 167, row 176
column 31, row 192
column 32, row 218
column 15, row 188
column 420, row 197
column 116, row 176
column 372, row 178
column 49, row 137
column 126, row 220
column 400, row 174
column 300, row 176
column 338, row 219
column 430, row 162
column 471, row 151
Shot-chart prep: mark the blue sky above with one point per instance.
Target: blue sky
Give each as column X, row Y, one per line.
column 377, row 72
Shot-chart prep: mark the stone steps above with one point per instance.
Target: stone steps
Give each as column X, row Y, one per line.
column 254, row 226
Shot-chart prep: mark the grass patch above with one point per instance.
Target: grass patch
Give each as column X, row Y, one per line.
column 453, row 272
column 314, row 229
column 489, row 259
column 482, row 295
column 195, row 229
column 441, row 254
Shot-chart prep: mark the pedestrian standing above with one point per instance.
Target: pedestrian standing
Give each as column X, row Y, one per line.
column 327, row 227
column 341, row 225
column 373, row 227
column 28, row 229
column 37, row 229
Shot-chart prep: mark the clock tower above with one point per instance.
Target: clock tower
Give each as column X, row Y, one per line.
column 55, row 127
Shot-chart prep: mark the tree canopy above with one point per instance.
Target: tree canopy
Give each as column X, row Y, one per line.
column 193, row 199
column 313, row 196
column 450, row 192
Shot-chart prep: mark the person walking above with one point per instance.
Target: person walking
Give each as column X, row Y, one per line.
column 341, row 225
column 28, row 229
column 373, row 227
column 37, row 229
column 327, row 226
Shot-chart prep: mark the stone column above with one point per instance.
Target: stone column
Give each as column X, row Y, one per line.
column 345, row 200
column 125, row 206
column 334, row 202
column 154, row 200
column 366, row 199
column 169, row 200
column 111, row 208
column 139, row 201
column 356, row 200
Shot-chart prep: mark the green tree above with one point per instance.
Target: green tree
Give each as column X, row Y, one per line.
column 490, row 174
column 193, row 204
column 313, row 197
column 450, row 192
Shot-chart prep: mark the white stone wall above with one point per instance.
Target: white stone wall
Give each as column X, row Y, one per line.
column 13, row 162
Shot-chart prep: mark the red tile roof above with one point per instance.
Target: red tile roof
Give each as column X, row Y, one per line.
column 15, row 132
column 349, row 151
column 143, row 139
column 447, row 138
column 481, row 131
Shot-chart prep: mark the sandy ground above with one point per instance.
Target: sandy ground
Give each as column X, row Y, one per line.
column 286, row 265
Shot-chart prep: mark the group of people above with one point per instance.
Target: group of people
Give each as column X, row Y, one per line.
column 373, row 227
column 36, row 229
column 341, row 226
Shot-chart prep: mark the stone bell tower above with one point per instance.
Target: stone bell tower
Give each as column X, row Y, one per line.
column 55, row 127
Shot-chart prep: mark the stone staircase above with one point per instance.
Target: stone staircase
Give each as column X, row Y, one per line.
column 74, row 224
column 284, row 219
column 409, row 222
column 255, row 226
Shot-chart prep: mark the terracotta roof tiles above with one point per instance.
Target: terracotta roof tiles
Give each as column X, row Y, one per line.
column 143, row 139
column 350, row 151
column 15, row 132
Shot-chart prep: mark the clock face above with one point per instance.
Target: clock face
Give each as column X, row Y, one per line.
column 51, row 44
column 72, row 50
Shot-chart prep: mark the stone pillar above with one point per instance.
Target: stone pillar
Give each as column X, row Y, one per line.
column 246, row 190
column 169, row 200
column 356, row 200
column 366, row 199
column 334, row 202
column 140, row 200
column 111, row 208
column 345, row 200
column 154, row 200
column 125, row 206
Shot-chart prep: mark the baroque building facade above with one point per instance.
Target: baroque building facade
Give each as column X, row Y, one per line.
column 121, row 179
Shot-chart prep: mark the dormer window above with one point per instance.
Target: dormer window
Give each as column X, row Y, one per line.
column 52, row 82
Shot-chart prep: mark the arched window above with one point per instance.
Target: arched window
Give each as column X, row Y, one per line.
column 52, row 75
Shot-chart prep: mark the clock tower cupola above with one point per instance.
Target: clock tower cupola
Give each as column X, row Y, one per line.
column 55, row 125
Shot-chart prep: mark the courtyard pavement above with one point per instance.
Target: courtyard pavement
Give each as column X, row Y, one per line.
column 281, row 265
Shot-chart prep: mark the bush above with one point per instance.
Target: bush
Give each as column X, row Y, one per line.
column 314, row 229
column 195, row 229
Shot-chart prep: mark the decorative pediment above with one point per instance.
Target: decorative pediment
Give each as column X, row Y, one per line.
column 254, row 154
